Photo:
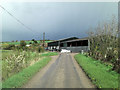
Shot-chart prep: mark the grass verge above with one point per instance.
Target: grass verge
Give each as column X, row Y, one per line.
column 49, row 54
column 22, row 77
column 100, row 74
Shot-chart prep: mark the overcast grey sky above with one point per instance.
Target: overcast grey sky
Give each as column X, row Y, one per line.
column 58, row 20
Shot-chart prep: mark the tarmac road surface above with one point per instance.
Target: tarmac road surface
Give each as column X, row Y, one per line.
column 61, row 72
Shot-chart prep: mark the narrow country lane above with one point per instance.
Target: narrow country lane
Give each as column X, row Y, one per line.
column 62, row 72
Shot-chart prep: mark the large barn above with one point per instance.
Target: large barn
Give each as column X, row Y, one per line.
column 73, row 44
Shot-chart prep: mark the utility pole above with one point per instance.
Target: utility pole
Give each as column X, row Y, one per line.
column 43, row 39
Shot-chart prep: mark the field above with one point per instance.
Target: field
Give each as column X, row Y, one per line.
column 101, row 75
column 27, row 42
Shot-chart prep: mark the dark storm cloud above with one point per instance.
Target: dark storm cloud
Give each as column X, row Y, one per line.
column 57, row 20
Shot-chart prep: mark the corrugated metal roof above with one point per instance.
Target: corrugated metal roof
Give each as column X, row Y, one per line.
column 86, row 38
column 67, row 39
column 76, row 40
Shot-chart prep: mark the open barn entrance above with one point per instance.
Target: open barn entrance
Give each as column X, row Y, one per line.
column 73, row 44
column 78, row 43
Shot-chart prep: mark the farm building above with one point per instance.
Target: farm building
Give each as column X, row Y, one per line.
column 73, row 44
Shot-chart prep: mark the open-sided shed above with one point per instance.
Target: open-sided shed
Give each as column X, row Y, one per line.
column 73, row 43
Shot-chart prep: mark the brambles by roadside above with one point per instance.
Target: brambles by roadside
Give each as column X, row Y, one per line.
column 104, row 43
column 22, row 77
column 100, row 74
column 14, row 63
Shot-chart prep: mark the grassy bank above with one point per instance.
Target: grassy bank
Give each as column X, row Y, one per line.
column 101, row 75
column 22, row 77
column 49, row 54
